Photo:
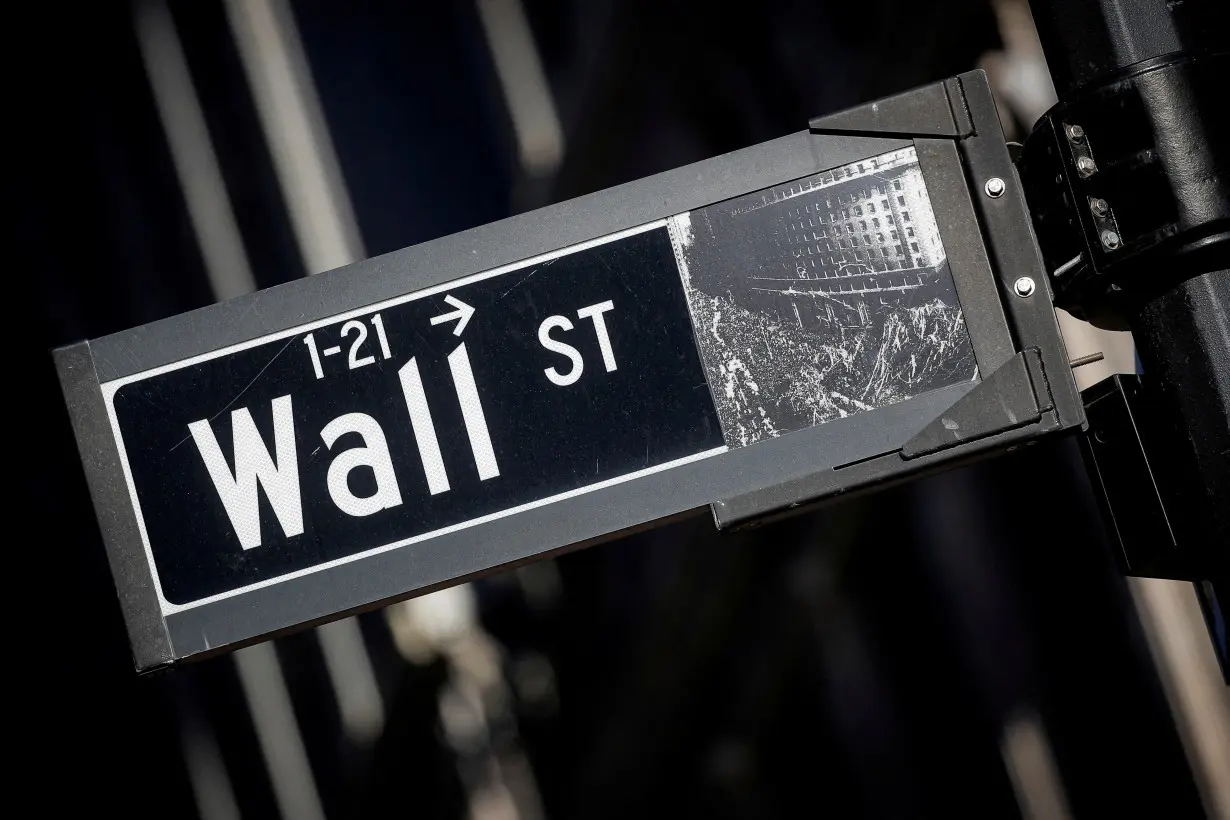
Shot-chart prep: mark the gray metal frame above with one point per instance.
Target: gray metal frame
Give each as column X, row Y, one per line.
column 784, row 473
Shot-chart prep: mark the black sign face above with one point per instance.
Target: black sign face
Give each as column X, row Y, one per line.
column 444, row 407
column 718, row 328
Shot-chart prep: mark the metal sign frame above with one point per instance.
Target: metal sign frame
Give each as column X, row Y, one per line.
column 1025, row 391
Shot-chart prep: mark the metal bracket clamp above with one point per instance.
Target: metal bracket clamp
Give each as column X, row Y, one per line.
column 954, row 121
column 1142, row 482
column 1126, row 174
column 1150, row 495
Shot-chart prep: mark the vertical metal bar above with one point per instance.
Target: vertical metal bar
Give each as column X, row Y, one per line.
column 350, row 672
column 536, row 125
column 192, row 152
column 211, row 786
column 294, row 125
column 1174, row 626
column 290, row 773
column 1031, row 767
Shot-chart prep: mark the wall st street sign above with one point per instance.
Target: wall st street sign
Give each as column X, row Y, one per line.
column 791, row 322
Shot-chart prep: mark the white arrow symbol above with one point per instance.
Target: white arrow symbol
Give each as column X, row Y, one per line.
column 463, row 312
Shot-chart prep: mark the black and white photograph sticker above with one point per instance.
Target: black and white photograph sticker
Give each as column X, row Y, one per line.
column 824, row 297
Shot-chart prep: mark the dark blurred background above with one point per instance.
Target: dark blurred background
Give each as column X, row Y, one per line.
column 961, row 646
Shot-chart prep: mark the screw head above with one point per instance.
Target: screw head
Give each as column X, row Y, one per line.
column 1086, row 166
column 1110, row 240
column 1024, row 286
column 995, row 187
column 1099, row 207
column 1075, row 133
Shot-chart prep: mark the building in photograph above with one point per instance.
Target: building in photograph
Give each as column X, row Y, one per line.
column 851, row 239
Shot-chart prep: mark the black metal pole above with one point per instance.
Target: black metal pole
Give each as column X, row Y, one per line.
column 1143, row 206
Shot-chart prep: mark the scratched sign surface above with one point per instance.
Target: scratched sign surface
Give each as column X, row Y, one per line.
column 633, row 353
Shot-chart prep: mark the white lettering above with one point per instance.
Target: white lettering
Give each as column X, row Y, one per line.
column 472, row 413
column 374, row 454
column 424, row 428
column 594, row 313
column 253, row 466
column 544, row 338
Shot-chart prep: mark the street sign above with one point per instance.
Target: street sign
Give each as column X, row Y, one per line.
column 375, row 429
column 798, row 329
